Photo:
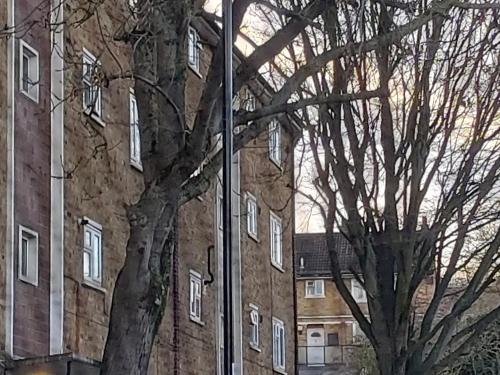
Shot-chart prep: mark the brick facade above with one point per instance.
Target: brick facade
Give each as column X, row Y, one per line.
column 99, row 183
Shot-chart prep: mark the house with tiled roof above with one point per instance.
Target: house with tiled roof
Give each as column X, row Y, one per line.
column 327, row 333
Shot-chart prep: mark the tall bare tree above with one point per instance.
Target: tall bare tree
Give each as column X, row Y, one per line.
column 411, row 178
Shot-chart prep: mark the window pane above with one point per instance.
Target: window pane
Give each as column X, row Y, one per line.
column 24, row 257
column 86, row 264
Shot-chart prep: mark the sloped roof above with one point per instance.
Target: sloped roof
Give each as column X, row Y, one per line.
column 312, row 258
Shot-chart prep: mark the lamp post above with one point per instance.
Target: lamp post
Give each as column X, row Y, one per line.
column 227, row 185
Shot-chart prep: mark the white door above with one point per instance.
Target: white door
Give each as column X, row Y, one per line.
column 315, row 346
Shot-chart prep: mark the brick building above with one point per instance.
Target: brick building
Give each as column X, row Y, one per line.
column 70, row 165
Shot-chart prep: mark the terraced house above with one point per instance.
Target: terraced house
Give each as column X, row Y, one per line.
column 71, row 164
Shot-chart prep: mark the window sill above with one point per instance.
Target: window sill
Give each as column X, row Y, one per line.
column 313, row 297
column 26, row 280
column 278, row 164
column 279, row 371
column 253, row 237
column 278, row 267
column 33, row 98
column 91, row 285
column 197, row 321
column 136, row 165
column 95, row 117
column 195, row 71
column 255, row 348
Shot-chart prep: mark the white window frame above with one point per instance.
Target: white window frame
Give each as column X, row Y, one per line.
column 318, row 288
column 95, row 268
column 276, row 229
column 33, row 77
column 357, row 333
column 355, row 287
column 248, row 100
column 194, row 49
column 275, row 142
column 252, row 216
column 254, row 327
column 31, row 237
column 135, row 136
column 279, row 345
column 195, row 296
column 94, row 108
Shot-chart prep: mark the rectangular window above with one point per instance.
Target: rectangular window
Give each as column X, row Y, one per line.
column 315, row 288
column 195, row 296
column 252, row 215
column 278, row 345
column 194, row 49
column 28, row 256
column 92, row 252
column 275, row 239
column 135, row 137
column 91, row 84
column 333, row 339
column 275, row 142
column 358, row 292
column 254, row 326
column 29, row 71
column 357, row 333
column 248, row 100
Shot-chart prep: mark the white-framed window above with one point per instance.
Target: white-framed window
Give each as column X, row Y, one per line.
column 275, row 142
column 357, row 290
column 315, row 288
column 29, row 71
column 91, row 84
column 278, row 345
column 357, row 333
column 252, row 213
column 195, row 286
column 194, row 49
column 275, row 230
column 28, row 256
column 135, row 137
column 248, row 100
column 254, row 326
column 92, row 251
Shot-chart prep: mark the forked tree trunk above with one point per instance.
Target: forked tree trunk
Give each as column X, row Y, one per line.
column 139, row 302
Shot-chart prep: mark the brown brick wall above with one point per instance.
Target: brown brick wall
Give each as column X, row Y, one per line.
column 3, row 166
column 32, row 190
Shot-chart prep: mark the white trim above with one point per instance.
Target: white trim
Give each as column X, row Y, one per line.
column 94, row 111
column 314, row 295
column 195, row 66
column 91, row 222
column 275, row 127
column 196, row 278
column 356, row 285
column 281, row 325
column 32, row 240
column 135, row 160
column 255, row 345
column 94, row 229
column 34, row 95
column 56, row 329
column 10, row 188
column 251, row 198
column 276, row 262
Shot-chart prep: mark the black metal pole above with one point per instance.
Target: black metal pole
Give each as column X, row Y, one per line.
column 227, row 185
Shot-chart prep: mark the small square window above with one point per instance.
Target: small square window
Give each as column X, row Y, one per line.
column 333, row 339
column 315, row 288
column 252, row 215
column 28, row 256
column 91, row 84
column 92, row 252
column 358, row 292
column 194, row 50
column 278, row 345
column 254, row 326
column 135, row 137
column 29, row 71
column 195, row 286
column 276, row 241
column 275, row 142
